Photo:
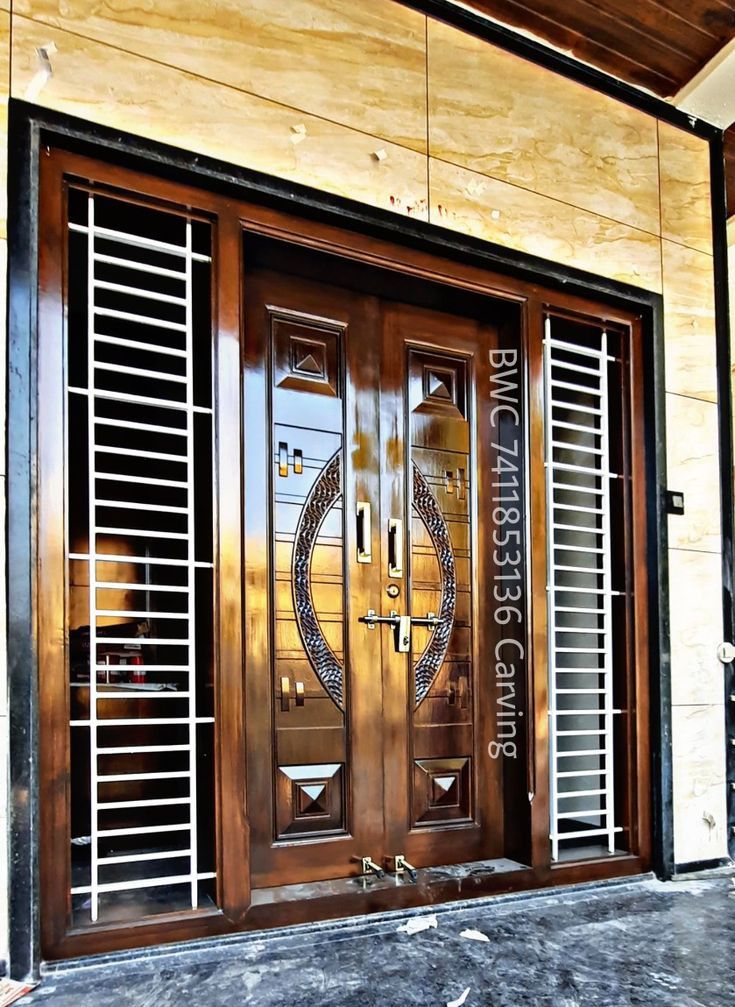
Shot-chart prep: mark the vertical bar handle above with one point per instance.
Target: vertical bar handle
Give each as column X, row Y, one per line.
column 364, row 532
column 395, row 547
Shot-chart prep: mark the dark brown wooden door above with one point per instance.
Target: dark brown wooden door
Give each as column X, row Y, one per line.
column 367, row 724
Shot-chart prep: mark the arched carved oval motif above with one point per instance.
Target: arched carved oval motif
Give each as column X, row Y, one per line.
column 432, row 658
column 325, row 493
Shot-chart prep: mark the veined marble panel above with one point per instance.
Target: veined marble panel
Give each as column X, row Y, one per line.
column 506, row 117
column 692, row 460
column 4, row 94
column 359, row 64
column 124, row 91
column 700, row 814
column 475, row 204
column 689, row 322
column 686, row 201
column 695, row 591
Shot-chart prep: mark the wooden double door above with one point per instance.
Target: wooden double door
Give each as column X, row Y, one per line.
column 367, row 521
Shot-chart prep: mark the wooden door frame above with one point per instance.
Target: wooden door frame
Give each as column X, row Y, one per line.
column 376, row 237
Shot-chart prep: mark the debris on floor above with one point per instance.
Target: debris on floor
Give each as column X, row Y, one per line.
column 418, row 923
column 10, row 991
column 474, row 935
column 460, row 999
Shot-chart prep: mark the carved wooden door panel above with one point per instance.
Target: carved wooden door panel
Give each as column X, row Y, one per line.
column 442, row 791
column 314, row 690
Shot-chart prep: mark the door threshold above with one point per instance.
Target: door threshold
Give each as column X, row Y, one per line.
column 428, row 877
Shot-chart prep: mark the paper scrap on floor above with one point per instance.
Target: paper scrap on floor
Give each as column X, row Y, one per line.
column 10, row 991
column 474, row 935
column 460, row 999
column 418, row 923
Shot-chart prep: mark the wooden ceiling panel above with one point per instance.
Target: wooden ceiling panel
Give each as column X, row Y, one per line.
column 657, row 44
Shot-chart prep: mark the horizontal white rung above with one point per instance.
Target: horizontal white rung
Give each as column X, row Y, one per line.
column 576, row 507
column 152, row 802
column 136, row 344
column 580, row 793
column 581, row 772
column 580, row 692
column 143, row 267
column 151, row 560
column 577, row 569
column 585, row 351
column 563, row 547
column 144, row 830
column 128, row 613
column 575, row 734
column 140, row 372
column 175, row 536
column 586, row 832
column 579, row 427
column 138, row 241
column 147, row 640
column 582, row 470
column 129, row 316
column 592, row 813
column 581, row 529
column 581, row 671
column 584, row 590
column 572, row 387
column 158, row 456
column 146, row 508
column 153, row 428
column 571, row 488
column 140, row 721
column 582, row 751
column 581, row 650
column 140, row 400
column 136, row 749
column 576, row 447
column 575, row 408
column 592, row 371
column 129, row 777
column 124, row 886
column 599, row 712
column 148, row 667
column 152, row 295
column 131, row 693
column 568, row 608
column 116, row 477
column 133, row 858
column 114, row 585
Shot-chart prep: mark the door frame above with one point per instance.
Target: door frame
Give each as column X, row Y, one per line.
column 413, row 247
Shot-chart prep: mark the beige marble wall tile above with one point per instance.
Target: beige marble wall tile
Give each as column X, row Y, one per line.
column 689, row 322
column 105, row 85
column 700, row 814
column 360, row 64
column 495, row 211
column 695, row 591
column 686, row 201
column 692, row 460
column 4, row 93
column 496, row 113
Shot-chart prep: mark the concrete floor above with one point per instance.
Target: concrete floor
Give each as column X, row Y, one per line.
column 623, row 944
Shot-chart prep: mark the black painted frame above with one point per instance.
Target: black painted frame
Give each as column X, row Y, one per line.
column 30, row 129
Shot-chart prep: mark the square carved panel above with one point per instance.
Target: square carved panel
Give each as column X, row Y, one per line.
column 306, row 355
column 438, row 384
column 309, row 801
column 441, row 791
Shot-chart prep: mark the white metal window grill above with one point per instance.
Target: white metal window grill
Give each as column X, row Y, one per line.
column 580, row 590
column 138, row 409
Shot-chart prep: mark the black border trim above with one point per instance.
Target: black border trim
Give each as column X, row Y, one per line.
column 725, row 416
column 30, row 128
column 553, row 59
column 695, row 866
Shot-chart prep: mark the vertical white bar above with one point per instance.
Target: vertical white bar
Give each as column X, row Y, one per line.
column 607, row 597
column 551, row 589
column 92, row 522
column 191, row 570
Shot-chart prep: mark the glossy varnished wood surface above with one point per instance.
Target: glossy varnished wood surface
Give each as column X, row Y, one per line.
column 245, row 639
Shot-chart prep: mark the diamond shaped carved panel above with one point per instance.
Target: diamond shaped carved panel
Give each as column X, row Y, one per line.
column 441, row 791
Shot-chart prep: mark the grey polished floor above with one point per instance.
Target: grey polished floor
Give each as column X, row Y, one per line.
column 636, row 943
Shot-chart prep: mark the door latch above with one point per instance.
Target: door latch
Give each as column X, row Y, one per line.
column 399, row 866
column 401, row 626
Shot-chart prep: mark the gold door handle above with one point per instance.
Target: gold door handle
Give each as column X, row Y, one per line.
column 395, row 547
column 286, row 693
column 364, row 532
